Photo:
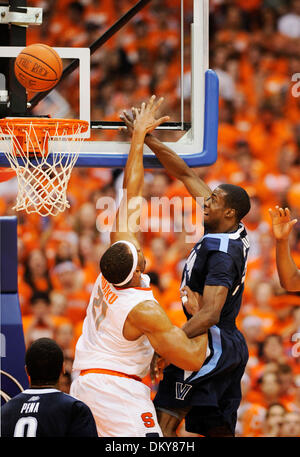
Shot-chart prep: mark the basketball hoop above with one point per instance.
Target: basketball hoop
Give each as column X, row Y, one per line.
column 42, row 172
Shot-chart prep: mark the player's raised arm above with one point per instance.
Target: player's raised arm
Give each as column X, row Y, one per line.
column 288, row 272
column 128, row 215
column 177, row 167
column 174, row 164
column 169, row 341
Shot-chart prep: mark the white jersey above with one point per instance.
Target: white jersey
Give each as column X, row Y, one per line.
column 102, row 344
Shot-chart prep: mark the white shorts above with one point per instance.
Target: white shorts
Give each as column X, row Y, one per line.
column 122, row 407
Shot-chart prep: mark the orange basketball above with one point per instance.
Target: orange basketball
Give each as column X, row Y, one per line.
column 38, row 67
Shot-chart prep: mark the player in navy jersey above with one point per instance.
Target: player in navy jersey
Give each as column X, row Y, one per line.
column 213, row 279
column 42, row 410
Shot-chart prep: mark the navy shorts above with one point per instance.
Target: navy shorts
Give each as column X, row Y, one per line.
column 214, row 392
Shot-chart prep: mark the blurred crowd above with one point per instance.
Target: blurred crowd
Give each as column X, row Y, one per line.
column 255, row 50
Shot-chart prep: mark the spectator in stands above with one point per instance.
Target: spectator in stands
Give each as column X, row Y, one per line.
column 39, row 324
column 252, row 329
column 69, row 281
column 269, row 389
column 255, row 226
column 66, row 250
column 273, row 420
column 272, row 349
column 227, row 84
column 64, row 382
column 85, row 223
column 64, row 336
column 287, row 382
column 36, row 272
column 58, row 303
column 290, row 425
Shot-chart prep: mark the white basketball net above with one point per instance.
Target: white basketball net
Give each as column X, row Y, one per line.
column 42, row 172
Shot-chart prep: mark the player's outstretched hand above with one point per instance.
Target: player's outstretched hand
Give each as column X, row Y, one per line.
column 144, row 117
column 128, row 120
column 281, row 222
column 151, row 106
column 190, row 300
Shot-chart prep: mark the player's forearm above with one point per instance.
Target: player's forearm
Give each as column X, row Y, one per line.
column 174, row 164
column 212, row 302
column 177, row 167
column 199, row 324
column 134, row 170
column 133, row 182
column 288, row 272
column 187, row 354
column 201, row 343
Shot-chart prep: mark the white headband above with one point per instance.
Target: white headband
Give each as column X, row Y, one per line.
column 135, row 261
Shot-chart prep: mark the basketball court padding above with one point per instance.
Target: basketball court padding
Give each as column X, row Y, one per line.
column 13, row 375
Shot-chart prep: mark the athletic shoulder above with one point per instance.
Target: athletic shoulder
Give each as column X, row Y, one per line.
column 228, row 243
column 146, row 314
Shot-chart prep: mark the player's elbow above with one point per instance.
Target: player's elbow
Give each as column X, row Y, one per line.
column 291, row 283
column 199, row 361
column 290, row 286
column 193, row 364
column 213, row 319
column 187, row 176
column 191, row 360
column 200, row 352
column 285, row 284
column 196, row 366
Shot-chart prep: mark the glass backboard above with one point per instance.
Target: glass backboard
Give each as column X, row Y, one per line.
column 115, row 61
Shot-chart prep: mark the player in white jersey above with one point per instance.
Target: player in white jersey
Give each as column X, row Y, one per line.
column 124, row 324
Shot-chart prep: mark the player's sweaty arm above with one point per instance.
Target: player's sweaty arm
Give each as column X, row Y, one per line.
column 128, row 214
column 209, row 312
column 288, row 272
column 174, row 164
column 177, row 167
column 169, row 341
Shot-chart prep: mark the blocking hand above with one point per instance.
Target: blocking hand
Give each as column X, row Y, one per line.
column 281, row 222
column 144, row 117
column 191, row 300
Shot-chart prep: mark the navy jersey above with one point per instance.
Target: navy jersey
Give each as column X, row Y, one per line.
column 213, row 394
column 219, row 259
column 46, row 413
